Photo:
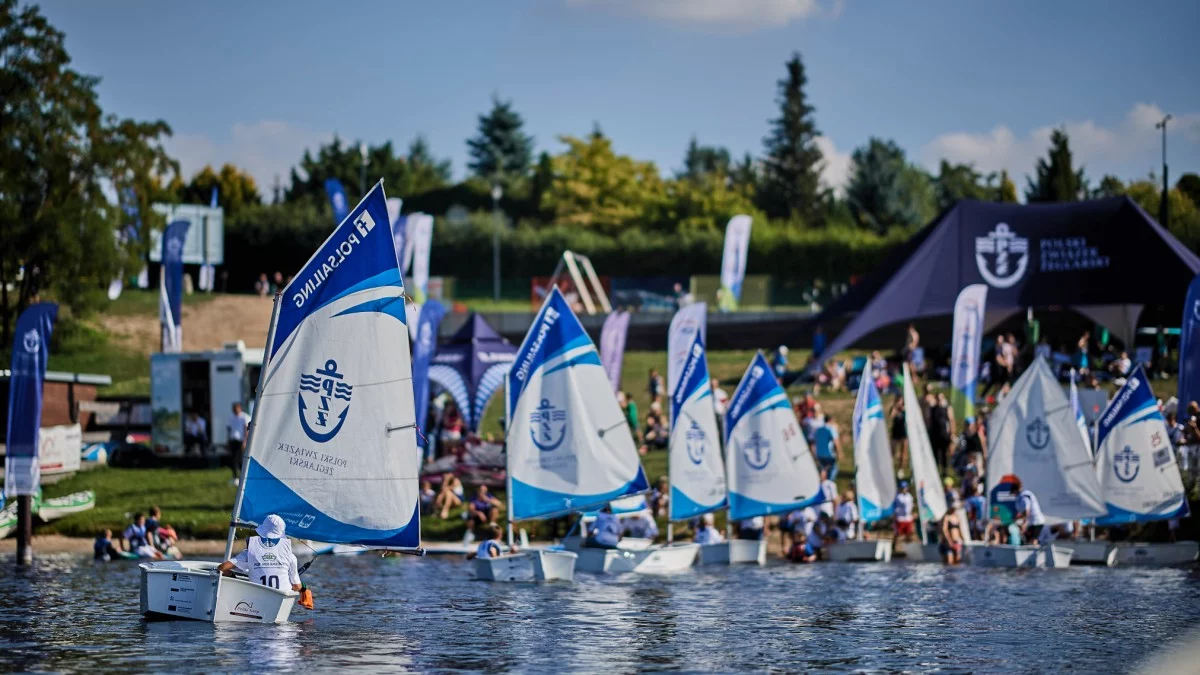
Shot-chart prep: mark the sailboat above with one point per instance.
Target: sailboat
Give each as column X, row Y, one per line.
column 1138, row 475
column 874, row 477
column 569, row 445
column 333, row 446
column 1035, row 437
column 1091, row 551
column 770, row 468
column 696, row 469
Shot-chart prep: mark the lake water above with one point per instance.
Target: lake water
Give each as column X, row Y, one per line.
column 68, row 613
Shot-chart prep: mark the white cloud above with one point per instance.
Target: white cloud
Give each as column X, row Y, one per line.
column 1133, row 142
column 264, row 149
column 740, row 14
column 836, row 170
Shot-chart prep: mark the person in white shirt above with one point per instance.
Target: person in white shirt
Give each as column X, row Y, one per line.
column 1028, row 510
column 847, row 515
column 237, row 427
column 902, row 513
column 708, row 533
column 195, row 433
column 829, row 492
column 267, row 558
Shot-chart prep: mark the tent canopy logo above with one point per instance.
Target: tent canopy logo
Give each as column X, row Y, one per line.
column 1002, row 257
column 32, row 341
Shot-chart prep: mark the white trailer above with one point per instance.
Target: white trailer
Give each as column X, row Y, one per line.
column 206, row 382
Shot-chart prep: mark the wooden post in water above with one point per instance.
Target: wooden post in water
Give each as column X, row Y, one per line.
column 24, row 530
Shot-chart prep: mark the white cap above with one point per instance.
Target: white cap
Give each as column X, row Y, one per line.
column 272, row 527
column 709, row 519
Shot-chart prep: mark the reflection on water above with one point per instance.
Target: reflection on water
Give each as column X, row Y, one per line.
column 67, row 613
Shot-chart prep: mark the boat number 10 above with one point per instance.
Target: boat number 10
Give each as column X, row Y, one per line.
column 272, row 581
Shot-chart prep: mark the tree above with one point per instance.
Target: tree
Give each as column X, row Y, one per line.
column 1110, row 186
column 958, row 181
column 1006, row 190
column 424, row 171
column 595, row 188
column 1057, row 180
column 791, row 180
column 403, row 176
column 701, row 161
column 1189, row 184
column 60, row 237
column 500, row 149
column 745, row 176
column 884, row 191
column 1184, row 216
column 235, row 189
column 543, row 176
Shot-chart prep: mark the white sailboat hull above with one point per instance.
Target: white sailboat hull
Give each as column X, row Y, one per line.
column 528, row 566
column 733, row 552
column 915, row 551
column 633, row 555
column 1092, row 553
column 1004, row 555
column 1179, row 553
column 876, row 550
column 195, row 590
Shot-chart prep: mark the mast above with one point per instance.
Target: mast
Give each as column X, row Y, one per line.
column 250, row 435
column 508, row 492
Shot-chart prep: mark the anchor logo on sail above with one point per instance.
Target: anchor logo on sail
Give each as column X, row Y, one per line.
column 546, row 422
column 1126, row 464
column 32, row 341
column 330, row 396
column 1002, row 244
column 694, row 442
column 757, row 451
column 1038, row 434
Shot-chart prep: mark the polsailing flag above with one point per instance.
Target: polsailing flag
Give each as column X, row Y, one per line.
column 733, row 261
column 424, row 346
column 1189, row 347
column 612, row 346
column 31, row 348
column 684, row 325
column 337, row 199
column 170, row 286
column 422, row 240
column 964, row 359
column 396, row 222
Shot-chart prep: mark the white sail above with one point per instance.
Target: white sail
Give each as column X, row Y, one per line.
column 769, row 465
column 926, row 477
column 874, row 475
column 1134, row 460
column 569, row 444
column 1080, row 420
column 685, row 325
column 1034, row 437
column 333, row 448
column 697, row 471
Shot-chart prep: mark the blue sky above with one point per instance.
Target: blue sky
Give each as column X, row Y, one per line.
column 254, row 83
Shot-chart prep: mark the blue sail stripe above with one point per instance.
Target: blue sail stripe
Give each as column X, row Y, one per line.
column 586, row 359
column 682, row 507
column 530, row 501
column 742, row 507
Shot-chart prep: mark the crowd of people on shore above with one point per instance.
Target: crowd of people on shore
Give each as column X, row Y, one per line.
column 144, row 537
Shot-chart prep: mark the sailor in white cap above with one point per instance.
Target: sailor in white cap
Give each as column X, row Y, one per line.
column 268, row 558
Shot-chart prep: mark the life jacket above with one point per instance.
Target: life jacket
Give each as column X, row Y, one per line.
column 488, row 549
column 270, row 565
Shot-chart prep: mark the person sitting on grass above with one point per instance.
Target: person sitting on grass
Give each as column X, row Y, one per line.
column 493, row 546
column 483, row 508
column 450, row 495
column 427, row 498
column 656, row 435
column 103, row 548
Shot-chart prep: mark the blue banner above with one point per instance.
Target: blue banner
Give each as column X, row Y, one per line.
column 426, row 344
column 31, row 348
column 337, row 199
column 170, row 299
column 1189, row 347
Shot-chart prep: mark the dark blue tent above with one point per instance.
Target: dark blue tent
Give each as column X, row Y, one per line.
column 1106, row 259
column 472, row 366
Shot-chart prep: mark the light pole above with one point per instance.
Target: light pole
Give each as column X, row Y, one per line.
column 497, row 193
column 1164, row 208
column 362, row 174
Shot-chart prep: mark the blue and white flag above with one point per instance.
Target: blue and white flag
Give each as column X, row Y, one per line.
column 770, row 467
column 333, row 447
column 428, row 321
column 421, row 233
column 733, row 260
column 212, row 201
column 964, row 359
column 1135, row 462
column 170, row 286
column 1189, row 347
column 31, row 350
column 697, row 470
column 687, row 322
column 337, row 198
column 569, row 444
column 874, row 476
column 612, row 346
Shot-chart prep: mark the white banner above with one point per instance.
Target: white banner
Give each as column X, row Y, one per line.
column 964, row 360
column 59, row 448
column 683, row 329
column 421, row 234
column 733, row 262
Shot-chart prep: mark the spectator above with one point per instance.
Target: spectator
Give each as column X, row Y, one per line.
column 1120, row 368
column 720, row 398
column 829, row 492
column 941, row 430
column 452, row 426
column 819, row 342
column 912, row 340
column 483, row 508
column 950, row 543
column 103, row 549
column 779, row 362
column 902, row 513
column 656, row 434
column 262, row 286
column 847, row 516
column 654, row 385
column 660, row 497
column 810, row 422
column 195, row 433
column 828, row 448
column 976, row 508
column 449, row 496
column 236, row 429
column 1001, row 370
column 625, row 401
column 1081, row 352
column 899, row 434
column 276, row 282
column 972, row 449
column 427, row 498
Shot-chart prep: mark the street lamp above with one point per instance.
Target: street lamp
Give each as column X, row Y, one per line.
column 1164, row 209
column 497, row 193
column 362, row 174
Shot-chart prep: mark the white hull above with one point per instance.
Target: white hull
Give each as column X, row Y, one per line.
column 1179, row 553
column 53, row 509
column 995, row 555
column 637, row 558
column 915, row 551
column 874, row 550
column 1092, row 553
column 195, row 590
column 733, row 552
column 528, row 566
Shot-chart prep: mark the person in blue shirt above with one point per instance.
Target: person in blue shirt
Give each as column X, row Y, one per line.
column 976, row 507
column 828, row 449
column 605, row 531
column 493, row 546
column 103, row 548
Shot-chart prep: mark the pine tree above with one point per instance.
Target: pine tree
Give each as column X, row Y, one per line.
column 500, row 148
column 1056, row 179
column 701, row 161
column 791, row 184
